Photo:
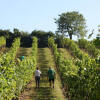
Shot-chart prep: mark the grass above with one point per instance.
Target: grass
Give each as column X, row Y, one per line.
column 65, row 53
column 45, row 59
column 58, row 88
column 24, row 52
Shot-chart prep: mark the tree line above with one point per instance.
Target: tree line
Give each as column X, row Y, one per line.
column 26, row 38
column 69, row 24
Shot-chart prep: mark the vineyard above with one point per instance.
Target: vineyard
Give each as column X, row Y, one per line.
column 77, row 67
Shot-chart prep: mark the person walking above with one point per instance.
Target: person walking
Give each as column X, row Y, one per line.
column 37, row 77
column 22, row 57
column 51, row 75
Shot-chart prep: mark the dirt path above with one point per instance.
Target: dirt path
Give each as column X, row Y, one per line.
column 45, row 59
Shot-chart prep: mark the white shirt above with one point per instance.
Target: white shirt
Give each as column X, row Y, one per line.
column 37, row 73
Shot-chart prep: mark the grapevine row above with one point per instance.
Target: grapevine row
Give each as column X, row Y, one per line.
column 80, row 79
column 89, row 47
column 24, row 69
column 92, row 69
column 2, row 41
column 15, row 75
column 7, row 71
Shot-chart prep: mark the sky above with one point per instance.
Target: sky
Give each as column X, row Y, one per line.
column 29, row 15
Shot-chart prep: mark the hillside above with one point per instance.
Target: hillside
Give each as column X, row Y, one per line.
column 45, row 60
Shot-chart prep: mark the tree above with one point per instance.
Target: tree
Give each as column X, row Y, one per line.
column 5, row 33
column 16, row 32
column 42, row 37
column 71, row 23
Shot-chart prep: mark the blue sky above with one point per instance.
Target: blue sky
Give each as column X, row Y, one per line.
column 28, row 15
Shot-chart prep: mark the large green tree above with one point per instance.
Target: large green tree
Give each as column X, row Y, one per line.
column 71, row 23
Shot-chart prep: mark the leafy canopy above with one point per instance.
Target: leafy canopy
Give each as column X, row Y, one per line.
column 71, row 23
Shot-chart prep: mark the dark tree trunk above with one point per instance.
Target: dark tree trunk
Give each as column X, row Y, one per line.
column 70, row 36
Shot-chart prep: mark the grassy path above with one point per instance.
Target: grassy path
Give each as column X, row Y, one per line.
column 65, row 53
column 45, row 59
column 23, row 52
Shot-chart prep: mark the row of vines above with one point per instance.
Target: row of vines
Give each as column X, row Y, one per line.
column 80, row 76
column 89, row 47
column 14, row 75
column 2, row 41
